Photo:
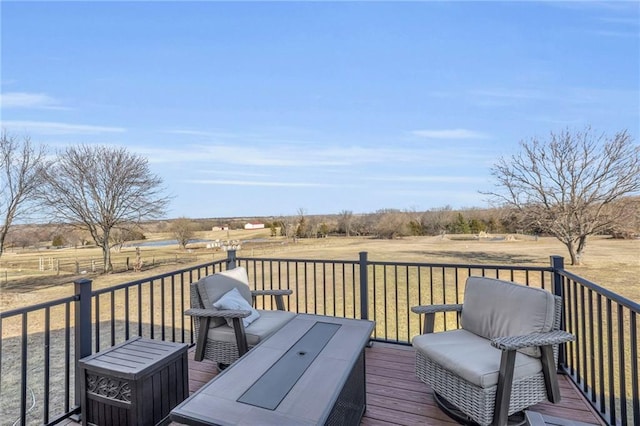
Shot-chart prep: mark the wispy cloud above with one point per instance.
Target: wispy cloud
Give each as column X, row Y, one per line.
column 283, row 155
column 516, row 94
column 56, row 128
column 232, row 173
column 189, row 132
column 619, row 20
column 553, row 96
column 215, row 134
column 29, row 100
column 606, row 33
column 623, row 6
column 449, row 134
column 457, row 197
column 429, row 179
column 554, row 120
column 259, row 183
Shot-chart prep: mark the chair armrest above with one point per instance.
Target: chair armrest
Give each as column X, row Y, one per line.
column 509, row 345
column 430, row 312
column 278, row 295
column 432, row 309
column 512, row 343
column 284, row 292
column 210, row 313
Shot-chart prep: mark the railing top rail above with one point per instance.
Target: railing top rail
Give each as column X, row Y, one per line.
column 465, row 266
column 267, row 259
column 155, row 277
column 43, row 305
column 621, row 300
column 395, row 263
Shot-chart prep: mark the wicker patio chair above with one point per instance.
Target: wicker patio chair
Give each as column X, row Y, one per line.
column 503, row 358
column 222, row 335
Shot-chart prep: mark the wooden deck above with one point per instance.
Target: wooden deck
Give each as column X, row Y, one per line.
column 396, row 397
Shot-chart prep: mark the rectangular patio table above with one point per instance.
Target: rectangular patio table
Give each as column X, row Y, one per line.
column 309, row 372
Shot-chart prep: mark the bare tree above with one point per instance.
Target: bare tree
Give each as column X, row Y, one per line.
column 629, row 224
column 416, row 222
column 301, row 225
column 124, row 233
column 21, row 164
column 567, row 186
column 288, row 226
column 364, row 224
column 390, row 223
column 182, row 230
column 100, row 188
column 313, row 226
column 345, row 219
column 24, row 236
column 435, row 221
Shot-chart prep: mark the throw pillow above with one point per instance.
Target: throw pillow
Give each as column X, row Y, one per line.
column 233, row 300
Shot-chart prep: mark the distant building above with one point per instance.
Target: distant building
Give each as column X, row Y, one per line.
column 220, row 228
column 254, row 226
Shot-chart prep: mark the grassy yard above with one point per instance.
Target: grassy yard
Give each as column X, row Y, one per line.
column 613, row 264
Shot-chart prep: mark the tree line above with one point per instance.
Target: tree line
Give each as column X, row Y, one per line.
column 395, row 223
column 570, row 185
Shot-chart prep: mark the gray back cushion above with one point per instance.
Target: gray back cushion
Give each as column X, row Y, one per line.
column 496, row 308
column 213, row 287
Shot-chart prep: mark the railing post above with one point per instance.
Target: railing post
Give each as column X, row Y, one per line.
column 82, row 288
column 231, row 259
column 557, row 264
column 364, row 286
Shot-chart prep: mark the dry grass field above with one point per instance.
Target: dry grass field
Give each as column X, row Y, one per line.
column 613, row 264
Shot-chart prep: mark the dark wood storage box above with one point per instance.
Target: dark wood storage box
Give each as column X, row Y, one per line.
column 135, row 383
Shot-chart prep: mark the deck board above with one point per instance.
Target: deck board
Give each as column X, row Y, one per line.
column 395, row 396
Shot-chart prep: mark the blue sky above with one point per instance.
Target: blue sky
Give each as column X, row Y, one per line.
column 264, row 108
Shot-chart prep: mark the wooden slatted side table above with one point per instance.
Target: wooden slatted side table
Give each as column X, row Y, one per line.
column 137, row 382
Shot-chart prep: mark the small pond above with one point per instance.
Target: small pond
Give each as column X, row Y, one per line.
column 163, row 243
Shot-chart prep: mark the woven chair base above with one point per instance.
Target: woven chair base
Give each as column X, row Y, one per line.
column 476, row 402
column 517, row 419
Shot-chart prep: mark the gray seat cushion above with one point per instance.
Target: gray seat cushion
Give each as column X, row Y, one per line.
column 471, row 357
column 268, row 323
